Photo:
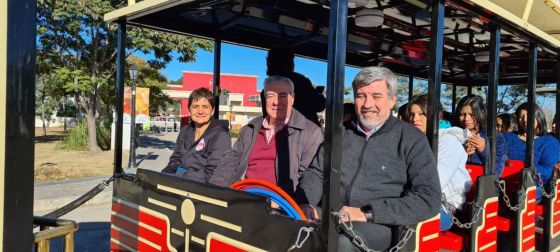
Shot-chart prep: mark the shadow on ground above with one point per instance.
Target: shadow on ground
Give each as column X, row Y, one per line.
column 48, row 138
column 91, row 236
column 154, row 142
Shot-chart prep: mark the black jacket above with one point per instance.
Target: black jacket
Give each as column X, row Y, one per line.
column 394, row 172
column 201, row 157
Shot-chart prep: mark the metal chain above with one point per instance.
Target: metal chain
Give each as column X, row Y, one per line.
column 298, row 244
column 520, row 195
column 540, row 184
column 108, row 181
column 456, row 221
column 359, row 242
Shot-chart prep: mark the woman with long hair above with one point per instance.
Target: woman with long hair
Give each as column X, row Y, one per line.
column 454, row 179
column 546, row 147
column 471, row 114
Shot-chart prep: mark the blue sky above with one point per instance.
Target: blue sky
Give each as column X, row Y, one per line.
column 244, row 60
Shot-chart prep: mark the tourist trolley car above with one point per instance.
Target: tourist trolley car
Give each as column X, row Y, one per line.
column 460, row 42
column 464, row 43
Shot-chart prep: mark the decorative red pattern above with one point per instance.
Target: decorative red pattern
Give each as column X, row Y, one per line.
column 555, row 209
column 528, row 222
column 489, row 233
column 218, row 246
column 146, row 237
column 451, row 241
column 428, row 228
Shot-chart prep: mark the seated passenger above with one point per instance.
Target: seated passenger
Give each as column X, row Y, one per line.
column 388, row 175
column 454, row 178
column 471, row 114
column 506, row 123
column 546, row 147
column 201, row 144
column 277, row 148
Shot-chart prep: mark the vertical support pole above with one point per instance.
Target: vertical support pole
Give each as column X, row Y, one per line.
column 434, row 75
column 216, row 76
column 132, row 151
column 333, row 130
column 453, row 98
column 119, row 96
column 531, row 85
column 557, row 114
column 469, row 90
column 410, row 87
column 493, row 78
column 17, row 122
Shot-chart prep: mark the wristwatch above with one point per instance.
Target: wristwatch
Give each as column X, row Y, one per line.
column 368, row 212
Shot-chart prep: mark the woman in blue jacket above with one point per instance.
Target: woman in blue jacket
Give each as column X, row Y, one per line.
column 471, row 114
column 546, row 147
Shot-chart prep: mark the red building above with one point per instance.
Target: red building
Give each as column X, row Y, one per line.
column 243, row 99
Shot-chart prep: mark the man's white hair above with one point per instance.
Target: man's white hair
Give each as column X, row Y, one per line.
column 272, row 80
column 370, row 74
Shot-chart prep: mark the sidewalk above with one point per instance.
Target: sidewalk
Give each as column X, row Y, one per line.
column 52, row 195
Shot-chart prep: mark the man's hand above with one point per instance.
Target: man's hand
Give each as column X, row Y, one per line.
column 309, row 211
column 352, row 213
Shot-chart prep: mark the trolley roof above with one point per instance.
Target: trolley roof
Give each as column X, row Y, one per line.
column 401, row 43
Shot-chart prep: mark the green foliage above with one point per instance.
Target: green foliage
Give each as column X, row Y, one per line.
column 79, row 47
column 77, row 138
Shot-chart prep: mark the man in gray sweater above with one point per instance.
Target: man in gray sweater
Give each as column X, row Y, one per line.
column 388, row 173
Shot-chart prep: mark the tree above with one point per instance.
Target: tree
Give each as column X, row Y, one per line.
column 82, row 48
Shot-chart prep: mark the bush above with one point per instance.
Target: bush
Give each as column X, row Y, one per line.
column 77, row 138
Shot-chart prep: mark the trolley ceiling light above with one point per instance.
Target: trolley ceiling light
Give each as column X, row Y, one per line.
column 369, row 16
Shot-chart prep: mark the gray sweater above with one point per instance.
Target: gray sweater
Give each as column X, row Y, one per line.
column 393, row 171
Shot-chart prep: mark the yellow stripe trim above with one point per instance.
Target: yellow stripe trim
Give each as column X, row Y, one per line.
column 430, row 237
column 197, row 240
column 162, row 204
column 220, row 223
column 177, row 232
column 487, row 245
column 142, row 224
column 3, row 119
column 143, row 240
column 191, row 195
column 123, row 245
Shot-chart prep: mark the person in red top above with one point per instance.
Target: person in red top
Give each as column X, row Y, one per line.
column 276, row 148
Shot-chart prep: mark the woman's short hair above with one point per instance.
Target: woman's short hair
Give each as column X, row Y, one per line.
column 275, row 79
column 200, row 93
column 508, row 121
column 478, row 109
column 539, row 115
column 369, row 75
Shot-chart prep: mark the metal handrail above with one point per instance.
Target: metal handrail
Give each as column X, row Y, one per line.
column 53, row 228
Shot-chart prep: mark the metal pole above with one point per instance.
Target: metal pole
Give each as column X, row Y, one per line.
column 531, row 85
column 333, row 121
column 453, row 98
column 410, row 87
column 469, row 90
column 132, row 153
column 216, row 76
column 557, row 114
column 119, row 94
column 493, row 77
column 434, row 75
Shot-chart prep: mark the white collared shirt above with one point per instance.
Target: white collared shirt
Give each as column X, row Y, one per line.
column 370, row 132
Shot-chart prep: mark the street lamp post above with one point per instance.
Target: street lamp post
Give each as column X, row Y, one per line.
column 132, row 154
column 230, row 116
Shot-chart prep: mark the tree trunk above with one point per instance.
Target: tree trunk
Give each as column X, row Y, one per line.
column 92, row 131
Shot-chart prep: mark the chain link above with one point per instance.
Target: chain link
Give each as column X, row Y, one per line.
column 298, row 244
column 359, row 242
column 456, row 221
column 540, row 184
column 520, row 196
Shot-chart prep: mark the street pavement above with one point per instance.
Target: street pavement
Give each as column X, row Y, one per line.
column 94, row 216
